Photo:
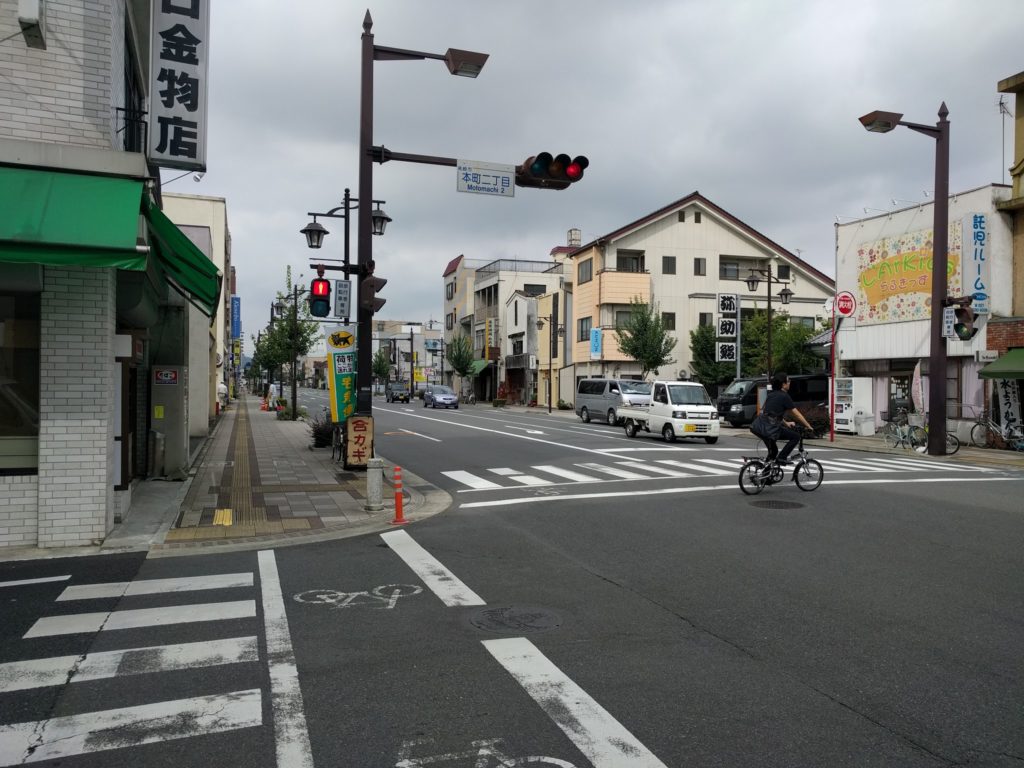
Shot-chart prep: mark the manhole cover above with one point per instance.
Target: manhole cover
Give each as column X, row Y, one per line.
column 515, row 621
column 773, row 504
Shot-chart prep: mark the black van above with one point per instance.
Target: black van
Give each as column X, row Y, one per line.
column 738, row 403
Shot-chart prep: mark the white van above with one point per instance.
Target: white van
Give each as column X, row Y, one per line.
column 602, row 398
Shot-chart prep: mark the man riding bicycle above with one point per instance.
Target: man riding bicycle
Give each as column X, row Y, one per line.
column 777, row 406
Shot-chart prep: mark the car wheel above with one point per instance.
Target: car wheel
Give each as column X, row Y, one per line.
column 736, row 424
column 668, row 433
column 630, row 428
column 710, row 440
column 424, row 402
column 585, row 415
column 611, row 416
column 455, row 407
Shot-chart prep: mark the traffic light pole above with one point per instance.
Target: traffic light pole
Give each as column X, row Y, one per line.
column 364, row 315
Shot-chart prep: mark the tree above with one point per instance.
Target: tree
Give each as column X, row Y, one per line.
column 644, row 337
column 382, row 364
column 293, row 335
column 789, row 352
column 460, row 356
column 702, row 354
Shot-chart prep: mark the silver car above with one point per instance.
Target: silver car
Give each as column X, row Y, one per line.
column 440, row 396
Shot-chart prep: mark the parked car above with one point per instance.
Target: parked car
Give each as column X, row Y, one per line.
column 440, row 396
column 396, row 392
column 738, row 404
column 602, row 398
column 677, row 409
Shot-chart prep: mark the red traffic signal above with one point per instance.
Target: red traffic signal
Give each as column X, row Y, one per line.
column 320, row 297
column 551, row 172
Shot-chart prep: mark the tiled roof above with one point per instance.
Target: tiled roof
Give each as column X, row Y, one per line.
column 452, row 266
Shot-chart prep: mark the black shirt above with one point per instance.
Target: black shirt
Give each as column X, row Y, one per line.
column 778, row 403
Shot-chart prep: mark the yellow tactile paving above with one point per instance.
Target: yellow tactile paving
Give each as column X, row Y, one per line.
column 222, row 517
column 295, row 525
column 241, row 484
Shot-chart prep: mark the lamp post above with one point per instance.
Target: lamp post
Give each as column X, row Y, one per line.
column 883, row 122
column 555, row 332
column 462, row 63
column 753, row 279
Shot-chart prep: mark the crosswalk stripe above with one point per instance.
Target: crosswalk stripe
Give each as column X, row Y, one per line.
column 471, row 480
column 62, row 737
column 59, row 670
column 157, row 586
column 568, row 474
column 656, row 470
column 857, row 465
column 733, row 468
column 924, row 465
column 24, row 582
column 142, row 617
column 623, row 474
column 529, row 480
column 442, row 582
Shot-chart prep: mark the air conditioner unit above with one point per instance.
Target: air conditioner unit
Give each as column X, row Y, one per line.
column 533, row 362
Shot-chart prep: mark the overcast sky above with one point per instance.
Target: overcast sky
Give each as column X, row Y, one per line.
column 752, row 103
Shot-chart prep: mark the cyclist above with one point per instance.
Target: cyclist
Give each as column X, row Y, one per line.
column 778, row 405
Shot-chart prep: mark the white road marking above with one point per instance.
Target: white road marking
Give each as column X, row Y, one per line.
column 505, row 471
column 439, row 579
column 518, row 476
column 698, row 488
column 63, row 737
column 857, row 465
column 59, row 670
column 926, row 465
column 291, row 737
column 568, row 474
column 157, row 586
column 417, row 434
column 621, row 473
column 700, row 467
column 600, row 737
column 655, row 470
column 23, row 582
column 471, row 480
column 142, row 617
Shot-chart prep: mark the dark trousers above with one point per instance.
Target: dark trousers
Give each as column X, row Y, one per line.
column 791, row 436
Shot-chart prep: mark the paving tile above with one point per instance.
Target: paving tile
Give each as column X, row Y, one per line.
column 295, row 525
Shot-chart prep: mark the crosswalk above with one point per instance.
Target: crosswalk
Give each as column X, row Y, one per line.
column 616, row 470
column 112, row 727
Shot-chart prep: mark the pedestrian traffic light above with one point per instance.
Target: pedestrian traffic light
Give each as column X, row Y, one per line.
column 963, row 325
column 551, row 172
column 369, row 286
column 320, row 297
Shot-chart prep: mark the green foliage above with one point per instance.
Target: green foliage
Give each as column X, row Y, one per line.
column 702, row 356
column 460, row 355
column 789, row 352
column 644, row 337
column 382, row 364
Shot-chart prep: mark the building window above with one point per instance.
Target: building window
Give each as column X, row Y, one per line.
column 729, row 270
column 696, row 217
column 449, row 291
column 622, row 317
column 585, row 272
column 534, row 290
column 19, row 383
column 629, row 261
column 583, row 326
column 449, row 321
column 682, row 216
column 806, row 322
column 782, row 272
column 668, row 320
column 700, row 266
column 668, row 265
column 706, row 318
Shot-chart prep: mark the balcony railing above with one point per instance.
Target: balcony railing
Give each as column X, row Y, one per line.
column 519, row 361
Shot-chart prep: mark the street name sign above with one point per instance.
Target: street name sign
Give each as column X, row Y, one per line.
column 486, row 178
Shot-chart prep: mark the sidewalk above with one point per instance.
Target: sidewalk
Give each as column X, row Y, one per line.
column 257, row 482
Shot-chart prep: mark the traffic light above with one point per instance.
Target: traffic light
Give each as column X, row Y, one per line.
column 369, row 286
column 320, row 297
column 963, row 325
column 549, row 172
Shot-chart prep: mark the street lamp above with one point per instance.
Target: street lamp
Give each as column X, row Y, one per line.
column 753, row 279
column 459, row 62
column 556, row 332
column 883, row 122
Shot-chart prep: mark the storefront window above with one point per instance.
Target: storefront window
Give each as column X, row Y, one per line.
column 19, row 382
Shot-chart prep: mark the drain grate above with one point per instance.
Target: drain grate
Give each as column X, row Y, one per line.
column 515, row 621
column 778, row 504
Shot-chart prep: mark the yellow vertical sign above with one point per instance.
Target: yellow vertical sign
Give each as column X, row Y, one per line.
column 341, row 373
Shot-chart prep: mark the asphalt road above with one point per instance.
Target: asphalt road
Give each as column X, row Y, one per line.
column 576, row 606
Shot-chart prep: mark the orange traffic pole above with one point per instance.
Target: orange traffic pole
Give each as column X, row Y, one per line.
column 399, row 519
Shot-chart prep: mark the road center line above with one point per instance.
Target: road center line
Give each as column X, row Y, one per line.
column 291, row 738
column 417, row 434
column 598, row 735
column 441, row 581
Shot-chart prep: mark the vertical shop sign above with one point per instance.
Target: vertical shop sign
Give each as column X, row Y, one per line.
column 975, row 275
column 341, row 371
column 179, row 64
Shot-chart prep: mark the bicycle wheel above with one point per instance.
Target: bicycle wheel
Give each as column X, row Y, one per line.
column 952, row 444
column 752, row 477
column 808, row 475
column 891, row 435
column 917, row 437
column 761, row 450
column 981, row 436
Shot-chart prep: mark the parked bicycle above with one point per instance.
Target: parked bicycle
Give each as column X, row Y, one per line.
column 899, row 432
column 987, row 433
column 758, row 472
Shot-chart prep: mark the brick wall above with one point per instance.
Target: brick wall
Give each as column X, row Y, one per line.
column 61, row 94
column 18, row 522
column 1005, row 333
column 76, row 467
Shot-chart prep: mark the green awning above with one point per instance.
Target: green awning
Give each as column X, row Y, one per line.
column 190, row 271
column 478, row 366
column 69, row 219
column 1009, row 366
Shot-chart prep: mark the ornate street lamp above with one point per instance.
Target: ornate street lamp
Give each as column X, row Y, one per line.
column 753, row 280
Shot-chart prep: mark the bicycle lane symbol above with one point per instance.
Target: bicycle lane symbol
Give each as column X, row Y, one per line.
column 483, row 754
column 382, row 597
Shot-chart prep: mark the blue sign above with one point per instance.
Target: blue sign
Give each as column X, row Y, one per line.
column 595, row 343
column 236, row 317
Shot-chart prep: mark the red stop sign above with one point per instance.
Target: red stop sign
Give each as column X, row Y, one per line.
column 846, row 304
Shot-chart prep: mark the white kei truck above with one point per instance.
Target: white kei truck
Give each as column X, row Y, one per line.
column 677, row 409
